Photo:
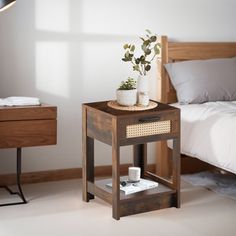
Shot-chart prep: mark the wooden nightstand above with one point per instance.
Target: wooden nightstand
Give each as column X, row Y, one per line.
column 120, row 128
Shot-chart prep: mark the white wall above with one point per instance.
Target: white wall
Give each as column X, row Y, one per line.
column 67, row 52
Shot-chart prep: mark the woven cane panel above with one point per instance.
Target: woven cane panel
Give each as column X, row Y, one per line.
column 146, row 129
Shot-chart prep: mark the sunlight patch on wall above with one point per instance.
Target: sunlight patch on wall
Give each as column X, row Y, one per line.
column 52, row 67
column 104, row 57
column 52, row 15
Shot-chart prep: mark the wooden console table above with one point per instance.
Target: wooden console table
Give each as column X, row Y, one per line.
column 26, row 126
column 120, row 128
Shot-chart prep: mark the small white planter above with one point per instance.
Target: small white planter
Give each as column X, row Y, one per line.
column 126, row 97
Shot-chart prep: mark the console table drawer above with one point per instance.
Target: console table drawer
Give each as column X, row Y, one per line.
column 27, row 133
column 26, row 126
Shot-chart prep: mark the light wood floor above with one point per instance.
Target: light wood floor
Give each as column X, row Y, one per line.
column 56, row 209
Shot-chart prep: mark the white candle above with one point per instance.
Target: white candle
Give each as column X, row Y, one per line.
column 134, row 174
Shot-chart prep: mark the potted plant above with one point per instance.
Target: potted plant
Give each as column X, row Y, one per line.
column 126, row 94
column 142, row 63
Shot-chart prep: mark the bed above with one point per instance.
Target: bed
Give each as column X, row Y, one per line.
column 214, row 145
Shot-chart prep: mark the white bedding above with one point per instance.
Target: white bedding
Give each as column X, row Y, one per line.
column 208, row 132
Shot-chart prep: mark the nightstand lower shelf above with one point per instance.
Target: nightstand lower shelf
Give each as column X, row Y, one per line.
column 143, row 201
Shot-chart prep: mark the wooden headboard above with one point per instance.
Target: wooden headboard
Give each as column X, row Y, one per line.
column 182, row 51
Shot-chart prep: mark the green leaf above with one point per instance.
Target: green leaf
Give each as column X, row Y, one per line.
column 156, row 49
column 142, row 58
column 153, row 39
column 127, row 54
column 137, row 61
column 132, row 48
column 136, row 67
column 148, row 51
column 126, row 46
column 144, row 47
column 147, row 68
column 146, row 42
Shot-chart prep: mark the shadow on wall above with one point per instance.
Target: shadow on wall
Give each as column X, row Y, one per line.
column 51, row 58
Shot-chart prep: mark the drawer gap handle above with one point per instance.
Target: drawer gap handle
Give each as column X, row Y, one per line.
column 150, row 119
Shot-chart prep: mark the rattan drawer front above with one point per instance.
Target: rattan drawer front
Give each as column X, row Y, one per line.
column 147, row 129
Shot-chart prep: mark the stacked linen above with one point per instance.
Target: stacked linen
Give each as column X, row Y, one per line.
column 19, row 101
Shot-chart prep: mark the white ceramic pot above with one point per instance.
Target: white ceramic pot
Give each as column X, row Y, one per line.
column 126, row 97
column 143, row 83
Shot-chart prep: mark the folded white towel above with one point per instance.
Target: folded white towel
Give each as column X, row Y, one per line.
column 19, row 101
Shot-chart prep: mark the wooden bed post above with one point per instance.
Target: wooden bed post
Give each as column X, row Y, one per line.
column 162, row 161
column 161, row 73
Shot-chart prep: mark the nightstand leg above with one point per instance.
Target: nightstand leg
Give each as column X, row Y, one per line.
column 88, row 167
column 140, row 157
column 88, row 159
column 176, row 169
column 116, row 182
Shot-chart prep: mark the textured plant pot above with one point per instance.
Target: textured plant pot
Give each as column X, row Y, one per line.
column 126, row 97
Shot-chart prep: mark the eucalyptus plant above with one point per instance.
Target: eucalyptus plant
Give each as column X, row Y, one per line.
column 129, row 84
column 150, row 48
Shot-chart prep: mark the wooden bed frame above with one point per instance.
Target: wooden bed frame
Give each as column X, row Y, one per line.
column 182, row 51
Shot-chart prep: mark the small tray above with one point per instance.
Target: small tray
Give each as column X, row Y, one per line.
column 115, row 105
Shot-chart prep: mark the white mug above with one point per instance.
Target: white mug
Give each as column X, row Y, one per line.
column 134, row 174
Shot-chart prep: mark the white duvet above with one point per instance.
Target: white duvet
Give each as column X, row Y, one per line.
column 208, row 132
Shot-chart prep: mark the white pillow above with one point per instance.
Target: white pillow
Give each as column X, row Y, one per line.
column 201, row 81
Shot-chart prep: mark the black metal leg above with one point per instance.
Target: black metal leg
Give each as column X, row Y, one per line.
column 18, row 171
column 18, row 175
